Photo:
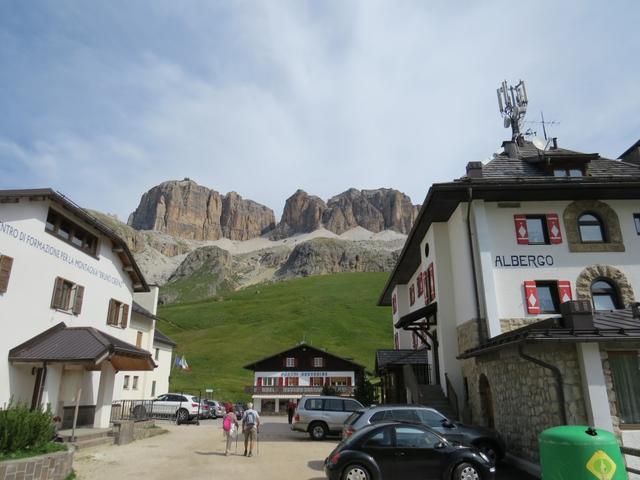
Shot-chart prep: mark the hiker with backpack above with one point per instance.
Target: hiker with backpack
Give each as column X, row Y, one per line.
column 250, row 425
column 229, row 428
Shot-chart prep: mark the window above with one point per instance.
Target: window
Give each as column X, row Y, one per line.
column 568, row 172
column 636, row 220
column 604, row 295
column 333, row 405
column 625, row 370
column 430, row 418
column 290, row 362
column 118, row 314
column 71, row 233
column 157, row 354
column 548, row 297
column 590, row 228
column 412, row 294
column 135, row 383
column 291, row 381
column 5, row 272
column 381, row 438
column 340, row 381
column 126, row 382
column 153, row 388
column 318, row 362
column 67, row 296
column 404, row 415
column 379, row 417
column 313, row 404
column 351, row 405
column 139, row 340
column 269, row 381
column 537, row 229
column 413, row 437
column 317, row 381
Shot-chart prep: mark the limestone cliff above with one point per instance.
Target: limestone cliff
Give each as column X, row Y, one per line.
column 184, row 209
column 302, row 214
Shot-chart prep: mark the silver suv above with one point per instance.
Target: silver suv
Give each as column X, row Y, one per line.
column 320, row 416
column 485, row 440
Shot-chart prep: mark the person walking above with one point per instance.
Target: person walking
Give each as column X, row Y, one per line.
column 229, row 428
column 250, row 426
column 291, row 408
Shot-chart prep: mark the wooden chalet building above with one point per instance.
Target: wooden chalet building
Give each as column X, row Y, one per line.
column 301, row 370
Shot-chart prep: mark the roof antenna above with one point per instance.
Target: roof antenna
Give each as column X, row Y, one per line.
column 513, row 102
column 544, row 123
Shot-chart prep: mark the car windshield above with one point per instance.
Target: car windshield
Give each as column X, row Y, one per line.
column 353, row 418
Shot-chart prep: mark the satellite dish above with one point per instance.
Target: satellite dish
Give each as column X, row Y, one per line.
column 539, row 143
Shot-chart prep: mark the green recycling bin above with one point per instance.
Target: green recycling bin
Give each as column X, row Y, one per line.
column 574, row 452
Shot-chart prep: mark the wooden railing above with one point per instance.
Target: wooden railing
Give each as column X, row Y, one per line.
column 294, row 389
column 452, row 396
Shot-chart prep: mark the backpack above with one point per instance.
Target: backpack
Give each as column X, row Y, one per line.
column 226, row 424
column 250, row 418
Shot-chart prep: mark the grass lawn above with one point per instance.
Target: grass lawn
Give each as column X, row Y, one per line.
column 219, row 336
column 49, row 447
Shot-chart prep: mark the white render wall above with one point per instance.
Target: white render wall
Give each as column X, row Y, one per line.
column 162, row 372
column 25, row 307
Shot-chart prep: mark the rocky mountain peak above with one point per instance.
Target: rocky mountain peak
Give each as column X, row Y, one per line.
column 187, row 210
column 302, row 213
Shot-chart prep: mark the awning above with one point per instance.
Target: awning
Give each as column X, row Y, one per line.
column 425, row 312
column 85, row 346
column 613, row 325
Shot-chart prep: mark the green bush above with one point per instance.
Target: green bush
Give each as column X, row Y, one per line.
column 24, row 429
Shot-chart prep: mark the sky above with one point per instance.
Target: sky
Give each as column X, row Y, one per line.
column 103, row 100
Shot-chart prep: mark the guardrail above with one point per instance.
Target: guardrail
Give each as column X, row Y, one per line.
column 141, row 410
column 304, row 390
column 634, row 452
column 452, row 396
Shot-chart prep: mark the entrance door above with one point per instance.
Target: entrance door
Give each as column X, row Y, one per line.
column 486, row 401
column 36, row 398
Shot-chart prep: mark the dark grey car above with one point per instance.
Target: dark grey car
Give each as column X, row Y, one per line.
column 487, row 441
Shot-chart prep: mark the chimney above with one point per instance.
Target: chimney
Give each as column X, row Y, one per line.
column 577, row 315
column 554, row 143
column 511, row 149
column 474, row 169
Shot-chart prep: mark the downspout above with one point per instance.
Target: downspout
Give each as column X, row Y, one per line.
column 473, row 267
column 558, row 376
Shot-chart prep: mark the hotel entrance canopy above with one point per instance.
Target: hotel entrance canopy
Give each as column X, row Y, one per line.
column 86, row 346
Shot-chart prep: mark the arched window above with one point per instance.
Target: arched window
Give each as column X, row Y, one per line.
column 591, row 228
column 604, row 295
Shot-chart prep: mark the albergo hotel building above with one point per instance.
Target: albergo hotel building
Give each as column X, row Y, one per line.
column 520, row 281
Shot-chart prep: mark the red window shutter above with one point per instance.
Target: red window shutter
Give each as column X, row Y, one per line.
column 420, row 284
column 553, row 226
column 531, row 297
column 522, row 234
column 431, row 282
column 284, row 362
column 280, row 381
column 327, row 380
column 348, row 381
column 564, row 291
column 412, row 295
column 259, row 382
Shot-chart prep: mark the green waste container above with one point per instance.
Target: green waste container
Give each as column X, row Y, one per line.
column 574, row 452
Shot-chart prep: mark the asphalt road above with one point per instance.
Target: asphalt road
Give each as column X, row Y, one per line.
column 197, row 452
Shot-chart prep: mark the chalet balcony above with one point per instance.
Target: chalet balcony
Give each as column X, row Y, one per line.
column 303, row 390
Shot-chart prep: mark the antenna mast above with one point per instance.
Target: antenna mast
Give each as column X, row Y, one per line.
column 512, row 102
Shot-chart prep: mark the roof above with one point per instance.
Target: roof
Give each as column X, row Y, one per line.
column 386, row 358
column 512, row 179
column 160, row 337
column 425, row 312
column 631, row 148
column 120, row 246
column 252, row 365
column 137, row 308
column 607, row 325
column 86, row 345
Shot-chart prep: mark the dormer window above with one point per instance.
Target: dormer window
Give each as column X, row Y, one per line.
column 568, row 172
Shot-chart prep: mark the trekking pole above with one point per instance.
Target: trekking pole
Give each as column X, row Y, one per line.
column 237, row 435
column 257, row 442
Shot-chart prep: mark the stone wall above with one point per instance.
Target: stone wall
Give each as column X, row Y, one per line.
column 608, row 216
column 593, row 272
column 52, row 466
column 524, row 395
column 508, row 324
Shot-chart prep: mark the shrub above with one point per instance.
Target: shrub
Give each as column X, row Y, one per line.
column 24, row 429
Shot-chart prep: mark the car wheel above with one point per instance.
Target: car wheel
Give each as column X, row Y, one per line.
column 489, row 449
column 318, row 431
column 355, row 472
column 466, row 471
column 182, row 415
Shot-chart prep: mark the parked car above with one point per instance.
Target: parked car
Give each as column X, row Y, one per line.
column 205, row 410
column 410, row 452
column 323, row 415
column 215, row 408
column 239, row 409
column 171, row 405
column 487, row 441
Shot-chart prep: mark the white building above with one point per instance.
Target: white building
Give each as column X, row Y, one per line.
column 483, row 283
column 67, row 284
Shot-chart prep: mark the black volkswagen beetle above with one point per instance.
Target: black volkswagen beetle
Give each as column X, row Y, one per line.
column 410, row 452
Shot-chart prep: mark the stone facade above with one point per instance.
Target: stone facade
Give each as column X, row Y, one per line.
column 52, row 466
column 523, row 395
column 608, row 216
column 593, row 272
column 508, row 324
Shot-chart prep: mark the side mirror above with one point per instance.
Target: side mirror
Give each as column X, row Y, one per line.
column 447, row 423
column 439, row 445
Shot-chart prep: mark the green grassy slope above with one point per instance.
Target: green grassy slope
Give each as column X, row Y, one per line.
column 336, row 312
